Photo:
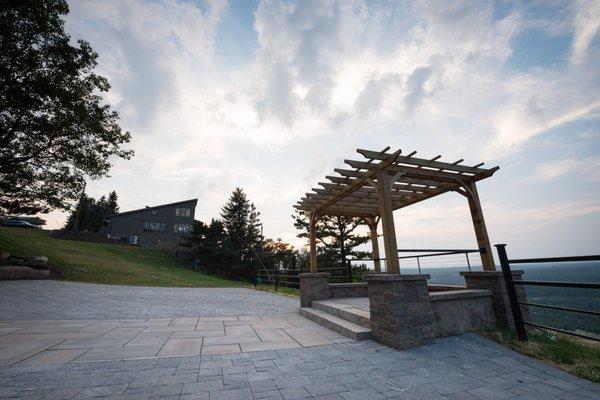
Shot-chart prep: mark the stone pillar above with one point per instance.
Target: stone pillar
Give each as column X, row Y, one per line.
column 313, row 287
column 401, row 314
column 494, row 281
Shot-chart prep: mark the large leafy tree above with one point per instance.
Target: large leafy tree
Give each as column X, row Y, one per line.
column 54, row 127
column 337, row 236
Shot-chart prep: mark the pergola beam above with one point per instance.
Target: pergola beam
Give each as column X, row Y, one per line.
column 359, row 182
column 423, row 162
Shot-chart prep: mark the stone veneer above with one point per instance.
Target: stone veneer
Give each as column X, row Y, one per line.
column 344, row 290
column 313, row 286
column 494, row 281
column 401, row 313
column 461, row 311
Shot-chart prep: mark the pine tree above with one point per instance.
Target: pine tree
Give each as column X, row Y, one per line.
column 112, row 203
column 336, row 236
column 254, row 232
column 79, row 219
column 235, row 215
column 241, row 222
column 89, row 214
column 210, row 246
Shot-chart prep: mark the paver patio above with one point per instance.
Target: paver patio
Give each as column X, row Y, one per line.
column 273, row 355
column 463, row 367
column 29, row 342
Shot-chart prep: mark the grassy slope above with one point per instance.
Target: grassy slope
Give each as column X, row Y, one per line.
column 578, row 357
column 106, row 263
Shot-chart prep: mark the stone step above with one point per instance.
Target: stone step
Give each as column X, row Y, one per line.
column 346, row 328
column 350, row 314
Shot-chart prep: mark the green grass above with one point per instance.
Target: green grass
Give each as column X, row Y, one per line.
column 107, row 263
column 576, row 356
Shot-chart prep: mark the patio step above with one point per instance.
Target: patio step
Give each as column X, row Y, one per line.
column 350, row 314
column 346, row 328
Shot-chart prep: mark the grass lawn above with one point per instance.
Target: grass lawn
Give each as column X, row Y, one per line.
column 577, row 356
column 107, row 263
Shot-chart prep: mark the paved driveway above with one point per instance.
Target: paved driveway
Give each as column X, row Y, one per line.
column 34, row 300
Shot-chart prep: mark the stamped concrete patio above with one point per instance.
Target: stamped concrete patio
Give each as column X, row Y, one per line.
column 259, row 348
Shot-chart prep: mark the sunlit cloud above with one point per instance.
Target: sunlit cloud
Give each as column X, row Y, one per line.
column 321, row 78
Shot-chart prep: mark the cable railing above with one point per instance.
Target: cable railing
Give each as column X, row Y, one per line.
column 427, row 253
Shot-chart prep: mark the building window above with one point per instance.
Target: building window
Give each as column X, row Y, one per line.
column 183, row 212
column 153, row 212
column 182, row 228
column 155, row 226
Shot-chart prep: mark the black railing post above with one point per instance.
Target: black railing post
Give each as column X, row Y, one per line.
column 275, row 276
column 349, row 266
column 512, row 293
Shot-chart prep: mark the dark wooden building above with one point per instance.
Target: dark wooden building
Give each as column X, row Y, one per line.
column 158, row 226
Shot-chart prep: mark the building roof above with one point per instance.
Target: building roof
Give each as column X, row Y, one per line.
column 195, row 201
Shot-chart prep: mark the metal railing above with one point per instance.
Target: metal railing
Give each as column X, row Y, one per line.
column 515, row 304
column 290, row 277
column 437, row 253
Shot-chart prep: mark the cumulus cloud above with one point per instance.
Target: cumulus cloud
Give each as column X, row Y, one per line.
column 325, row 77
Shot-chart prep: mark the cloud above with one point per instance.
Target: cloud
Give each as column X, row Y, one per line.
column 586, row 26
column 587, row 168
column 324, row 78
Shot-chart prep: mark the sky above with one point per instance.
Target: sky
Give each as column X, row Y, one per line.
column 272, row 95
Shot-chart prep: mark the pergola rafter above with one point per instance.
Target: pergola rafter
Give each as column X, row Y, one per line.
column 385, row 182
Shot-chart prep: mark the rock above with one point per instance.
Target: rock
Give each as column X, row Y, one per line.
column 36, row 261
column 18, row 272
column 4, row 256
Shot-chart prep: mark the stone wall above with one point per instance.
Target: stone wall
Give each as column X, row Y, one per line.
column 342, row 290
column 462, row 311
column 434, row 287
column 401, row 313
column 494, row 281
column 313, row 287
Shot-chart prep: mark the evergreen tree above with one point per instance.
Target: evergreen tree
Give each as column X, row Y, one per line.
column 209, row 245
column 89, row 214
column 80, row 217
column 112, row 206
column 241, row 222
column 235, row 215
column 337, row 236
column 255, row 236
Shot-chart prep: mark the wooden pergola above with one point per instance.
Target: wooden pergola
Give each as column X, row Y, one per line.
column 374, row 187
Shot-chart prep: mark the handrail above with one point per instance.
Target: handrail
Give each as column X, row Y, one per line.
column 554, row 259
column 578, row 285
column 515, row 303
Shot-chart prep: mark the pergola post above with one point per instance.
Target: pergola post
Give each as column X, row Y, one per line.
column 372, row 223
column 483, row 241
column 387, row 222
column 313, row 242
